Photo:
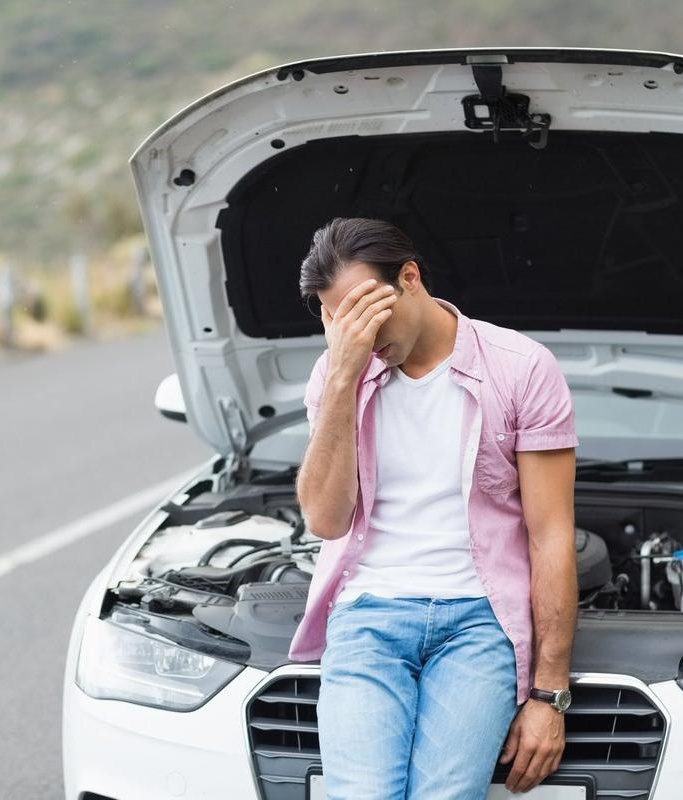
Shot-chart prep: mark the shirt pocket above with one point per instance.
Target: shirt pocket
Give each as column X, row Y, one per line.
column 496, row 462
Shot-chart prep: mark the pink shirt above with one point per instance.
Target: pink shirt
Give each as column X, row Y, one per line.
column 516, row 398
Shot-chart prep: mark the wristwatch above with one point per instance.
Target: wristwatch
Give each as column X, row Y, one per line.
column 559, row 699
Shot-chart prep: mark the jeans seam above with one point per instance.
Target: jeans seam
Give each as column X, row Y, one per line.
column 428, row 629
column 412, row 742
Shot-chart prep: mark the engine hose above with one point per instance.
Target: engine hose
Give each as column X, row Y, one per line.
column 225, row 543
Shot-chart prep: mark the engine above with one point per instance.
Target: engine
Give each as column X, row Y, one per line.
column 231, row 570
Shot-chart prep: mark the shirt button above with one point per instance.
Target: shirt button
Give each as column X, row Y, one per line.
column 330, row 604
column 361, row 537
column 345, row 572
column 500, row 437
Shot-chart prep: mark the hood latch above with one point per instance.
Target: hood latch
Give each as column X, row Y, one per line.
column 506, row 112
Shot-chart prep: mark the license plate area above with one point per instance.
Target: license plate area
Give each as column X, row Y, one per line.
column 555, row 787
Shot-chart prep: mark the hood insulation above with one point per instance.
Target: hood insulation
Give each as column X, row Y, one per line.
column 585, row 233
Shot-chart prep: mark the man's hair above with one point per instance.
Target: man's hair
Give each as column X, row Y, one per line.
column 347, row 239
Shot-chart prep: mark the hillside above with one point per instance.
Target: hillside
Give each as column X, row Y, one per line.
column 83, row 82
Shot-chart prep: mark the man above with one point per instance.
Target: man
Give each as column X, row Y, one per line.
column 440, row 476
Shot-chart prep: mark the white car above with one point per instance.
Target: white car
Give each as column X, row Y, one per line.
column 544, row 187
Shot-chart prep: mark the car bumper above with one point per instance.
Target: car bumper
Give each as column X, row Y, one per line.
column 126, row 751
column 670, row 774
column 131, row 752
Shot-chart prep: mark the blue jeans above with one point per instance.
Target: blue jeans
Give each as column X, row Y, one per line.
column 416, row 698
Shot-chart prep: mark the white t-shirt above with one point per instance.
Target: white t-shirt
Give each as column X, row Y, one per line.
column 417, row 542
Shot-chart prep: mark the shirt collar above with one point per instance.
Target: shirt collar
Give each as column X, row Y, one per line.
column 465, row 355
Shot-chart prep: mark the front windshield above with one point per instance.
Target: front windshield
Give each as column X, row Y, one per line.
column 609, row 425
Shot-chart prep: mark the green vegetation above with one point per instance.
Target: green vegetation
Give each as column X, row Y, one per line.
column 83, row 82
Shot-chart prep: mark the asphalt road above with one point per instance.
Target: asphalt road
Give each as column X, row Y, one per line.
column 78, row 432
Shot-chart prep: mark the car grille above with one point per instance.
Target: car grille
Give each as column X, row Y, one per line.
column 613, row 733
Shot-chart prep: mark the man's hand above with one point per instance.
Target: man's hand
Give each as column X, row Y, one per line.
column 352, row 331
column 536, row 740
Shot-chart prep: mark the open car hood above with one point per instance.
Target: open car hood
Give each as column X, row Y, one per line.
column 565, row 222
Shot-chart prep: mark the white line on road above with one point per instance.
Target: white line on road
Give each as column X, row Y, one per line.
column 91, row 523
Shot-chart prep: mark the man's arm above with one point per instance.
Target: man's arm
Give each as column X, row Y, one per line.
column 545, row 443
column 327, row 485
column 546, row 466
column 547, row 489
column 327, row 480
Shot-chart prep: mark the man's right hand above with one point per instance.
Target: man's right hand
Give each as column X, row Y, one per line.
column 352, row 332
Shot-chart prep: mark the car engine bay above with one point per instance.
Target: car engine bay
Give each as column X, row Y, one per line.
column 228, row 571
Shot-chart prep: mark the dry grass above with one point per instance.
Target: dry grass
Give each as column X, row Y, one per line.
column 46, row 316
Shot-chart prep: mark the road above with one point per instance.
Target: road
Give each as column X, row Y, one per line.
column 78, row 433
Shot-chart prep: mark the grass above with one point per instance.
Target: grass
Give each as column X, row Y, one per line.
column 46, row 315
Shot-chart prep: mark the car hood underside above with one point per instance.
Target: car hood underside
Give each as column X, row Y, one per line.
column 573, row 229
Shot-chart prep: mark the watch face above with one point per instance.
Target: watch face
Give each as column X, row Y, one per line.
column 564, row 698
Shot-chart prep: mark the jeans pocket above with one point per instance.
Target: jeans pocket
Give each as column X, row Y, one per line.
column 345, row 605
column 496, row 462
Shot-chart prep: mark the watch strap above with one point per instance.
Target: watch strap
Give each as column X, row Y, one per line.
column 542, row 694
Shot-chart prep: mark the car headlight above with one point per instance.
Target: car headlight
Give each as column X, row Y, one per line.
column 117, row 663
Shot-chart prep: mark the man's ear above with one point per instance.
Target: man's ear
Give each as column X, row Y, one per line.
column 402, row 274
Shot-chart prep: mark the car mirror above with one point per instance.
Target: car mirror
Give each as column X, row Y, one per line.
column 169, row 399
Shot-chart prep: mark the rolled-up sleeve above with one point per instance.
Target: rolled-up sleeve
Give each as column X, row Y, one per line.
column 545, row 411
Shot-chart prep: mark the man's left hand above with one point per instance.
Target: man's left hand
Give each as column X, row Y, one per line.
column 536, row 740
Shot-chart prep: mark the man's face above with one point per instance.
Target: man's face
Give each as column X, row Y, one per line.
column 391, row 329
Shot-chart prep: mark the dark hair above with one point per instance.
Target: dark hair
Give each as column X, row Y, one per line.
column 347, row 239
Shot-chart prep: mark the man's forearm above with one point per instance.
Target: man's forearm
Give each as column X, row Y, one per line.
column 327, row 481
column 554, row 596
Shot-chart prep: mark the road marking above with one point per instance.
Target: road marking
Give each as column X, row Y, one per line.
column 91, row 523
